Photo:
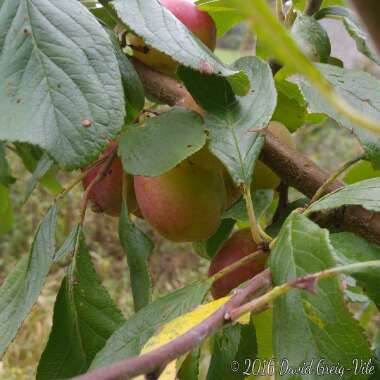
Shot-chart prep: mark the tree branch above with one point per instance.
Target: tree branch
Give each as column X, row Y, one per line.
column 295, row 169
column 313, row 6
column 369, row 12
column 147, row 363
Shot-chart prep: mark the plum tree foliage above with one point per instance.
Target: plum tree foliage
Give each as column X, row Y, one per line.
column 133, row 97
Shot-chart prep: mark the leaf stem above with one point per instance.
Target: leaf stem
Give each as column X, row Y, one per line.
column 251, row 215
column 322, row 190
column 237, row 264
column 76, row 180
column 101, row 174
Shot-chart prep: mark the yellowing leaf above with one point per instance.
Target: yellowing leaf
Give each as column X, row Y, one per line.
column 244, row 319
column 182, row 324
column 177, row 327
column 170, row 372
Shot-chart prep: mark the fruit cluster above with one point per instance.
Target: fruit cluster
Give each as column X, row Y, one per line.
column 185, row 204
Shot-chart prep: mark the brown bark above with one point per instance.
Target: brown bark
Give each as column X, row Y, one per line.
column 369, row 12
column 294, row 168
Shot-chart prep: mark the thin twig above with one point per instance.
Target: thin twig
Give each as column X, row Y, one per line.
column 147, row 363
column 307, row 282
column 231, row 311
column 100, row 175
column 77, row 180
column 323, row 189
column 237, row 264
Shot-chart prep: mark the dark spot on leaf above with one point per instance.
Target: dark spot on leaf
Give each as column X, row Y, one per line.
column 18, row 101
column 189, row 146
column 27, row 32
column 87, row 123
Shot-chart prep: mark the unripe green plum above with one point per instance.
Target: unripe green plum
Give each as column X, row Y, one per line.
column 263, row 176
column 206, row 160
column 239, row 245
column 106, row 195
column 197, row 21
column 184, row 204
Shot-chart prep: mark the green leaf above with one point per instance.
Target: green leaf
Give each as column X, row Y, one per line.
column 360, row 171
column 60, row 86
column 190, row 367
column 311, row 38
column 261, row 200
column 137, row 247
column 364, row 193
column 365, row 97
column 264, row 333
column 23, row 285
column 376, row 349
column 230, row 119
column 133, row 88
column 84, row 318
column 6, row 178
column 247, row 346
column 103, row 15
column 350, row 249
column 299, row 4
column 6, row 210
column 70, row 243
column 43, row 172
column 31, row 157
column 286, row 51
column 234, row 344
column 312, row 326
column 132, row 336
column 224, row 14
column 291, row 108
column 210, row 247
column 162, row 30
column 330, row 3
column 162, row 142
column 352, row 26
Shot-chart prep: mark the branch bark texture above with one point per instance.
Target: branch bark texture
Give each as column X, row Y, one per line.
column 150, row 361
column 294, row 168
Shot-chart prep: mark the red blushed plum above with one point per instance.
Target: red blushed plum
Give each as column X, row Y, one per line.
column 197, row 21
column 184, row 204
column 106, row 195
column 239, row 245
